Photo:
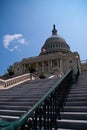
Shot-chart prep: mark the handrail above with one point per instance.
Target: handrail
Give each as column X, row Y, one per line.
column 18, row 123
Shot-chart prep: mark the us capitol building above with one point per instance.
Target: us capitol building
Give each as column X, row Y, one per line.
column 55, row 58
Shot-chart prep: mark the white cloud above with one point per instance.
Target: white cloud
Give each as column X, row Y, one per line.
column 8, row 41
column 14, row 48
column 22, row 41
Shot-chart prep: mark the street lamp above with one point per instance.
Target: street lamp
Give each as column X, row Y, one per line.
column 77, row 61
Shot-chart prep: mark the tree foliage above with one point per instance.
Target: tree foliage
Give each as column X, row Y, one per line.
column 10, row 71
column 42, row 75
column 32, row 68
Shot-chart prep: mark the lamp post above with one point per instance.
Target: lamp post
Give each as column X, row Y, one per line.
column 77, row 62
column 78, row 68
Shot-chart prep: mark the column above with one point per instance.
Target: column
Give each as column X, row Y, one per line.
column 48, row 65
column 58, row 63
column 61, row 65
column 24, row 68
column 42, row 66
column 37, row 66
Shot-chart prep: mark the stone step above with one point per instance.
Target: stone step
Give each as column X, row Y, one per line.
column 11, row 112
column 72, row 99
column 78, row 89
column 78, row 86
column 56, row 129
column 9, row 118
column 77, row 95
column 76, row 103
column 74, row 115
column 76, row 92
column 21, row 108
column 18, row 100
column 72, row 124
column 17, row 103
column 82, row 83
column 24, row 95
column 63, row 129
column 75, row 109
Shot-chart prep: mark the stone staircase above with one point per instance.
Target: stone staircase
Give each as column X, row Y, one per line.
column 74, row 115
column 16, row 101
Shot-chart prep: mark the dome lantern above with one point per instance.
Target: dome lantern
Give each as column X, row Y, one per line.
column 54, row 31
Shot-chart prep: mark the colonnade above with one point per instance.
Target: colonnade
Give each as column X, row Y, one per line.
column 45, row 65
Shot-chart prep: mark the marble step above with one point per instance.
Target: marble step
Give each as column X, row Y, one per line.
column 75, row 109
column 74, row 115
column 75, row 103
column 72, row 124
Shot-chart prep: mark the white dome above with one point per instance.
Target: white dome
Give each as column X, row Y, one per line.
column 55, row 43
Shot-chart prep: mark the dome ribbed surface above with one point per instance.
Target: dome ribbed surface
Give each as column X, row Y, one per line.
column 55, row 43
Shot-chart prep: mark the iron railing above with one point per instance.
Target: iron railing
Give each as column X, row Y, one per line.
column 44, row 114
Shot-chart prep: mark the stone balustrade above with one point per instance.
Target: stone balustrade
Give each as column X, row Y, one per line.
column 84, row 62
column 14, row 81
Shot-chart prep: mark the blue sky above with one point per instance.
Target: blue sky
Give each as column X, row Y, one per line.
column 26, row 24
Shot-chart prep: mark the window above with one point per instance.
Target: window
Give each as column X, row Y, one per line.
column 70, row 61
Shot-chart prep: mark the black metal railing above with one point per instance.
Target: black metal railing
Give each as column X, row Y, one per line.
column 44, row 114
column 75, row 77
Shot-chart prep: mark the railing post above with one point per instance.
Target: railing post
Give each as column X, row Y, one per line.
column 40, row 117
column 48, row 119
column 44, row 114
column 35, row 120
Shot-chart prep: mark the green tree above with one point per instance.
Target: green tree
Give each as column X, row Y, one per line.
column 31, row 69
column 42, row 75
column 10, row 71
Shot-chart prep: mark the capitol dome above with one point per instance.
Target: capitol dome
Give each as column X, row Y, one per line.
column 55, row 43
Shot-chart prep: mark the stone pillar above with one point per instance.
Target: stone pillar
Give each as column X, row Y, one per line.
column 42, row 66
column 37, row 66
column 61, row 65
column 48, row 65
column 24, row 68
column 51, row 64
column 58, row 63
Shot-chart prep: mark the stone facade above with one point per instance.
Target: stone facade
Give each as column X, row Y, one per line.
column 84, row 66
column 55, row 57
